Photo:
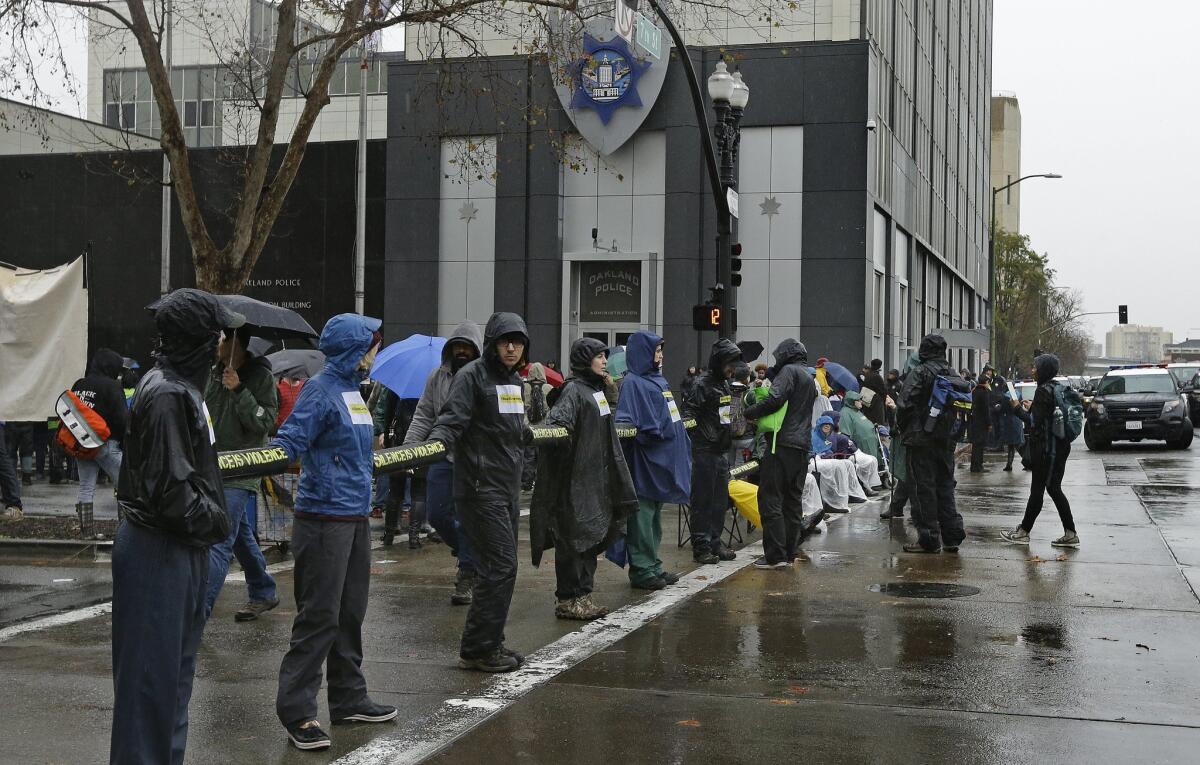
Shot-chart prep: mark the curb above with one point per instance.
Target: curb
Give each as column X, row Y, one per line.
column 61, row 545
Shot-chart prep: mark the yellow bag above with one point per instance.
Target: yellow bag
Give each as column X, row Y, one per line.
column 745, row 499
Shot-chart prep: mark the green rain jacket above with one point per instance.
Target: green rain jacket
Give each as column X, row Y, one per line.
column 242, row 418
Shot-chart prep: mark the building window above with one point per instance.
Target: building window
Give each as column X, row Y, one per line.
column 880, row 296
column 129, row 103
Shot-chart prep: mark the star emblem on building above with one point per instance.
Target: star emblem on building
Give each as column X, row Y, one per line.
column 468, row 212
column 769, row 206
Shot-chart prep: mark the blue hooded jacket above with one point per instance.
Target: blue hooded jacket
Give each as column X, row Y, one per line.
column 660, row 458
column 330, row 429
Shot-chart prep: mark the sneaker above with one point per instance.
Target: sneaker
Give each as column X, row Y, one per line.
column 14, row 513
column 496, row 661
column 670, row 577
column 253, row 608
column 649, row 584
column 917, row 547
column 1017, row 536
column 371, row 713
column 705, row 557
column 1069, row 539
column 765, row 564
column 308, row 736
column 580, row 609
column 724, row 553
column 464, row 588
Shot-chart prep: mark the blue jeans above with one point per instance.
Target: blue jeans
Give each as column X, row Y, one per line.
column 107, row 459
column 439, row 503
column 240, row 543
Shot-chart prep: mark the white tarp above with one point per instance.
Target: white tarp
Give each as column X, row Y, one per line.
column 43, row 338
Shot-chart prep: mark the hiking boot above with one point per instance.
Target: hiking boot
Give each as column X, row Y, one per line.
column 763, row 563
column 670, row 577
column 578, row 609
column 464, row 588
column 705, row 557
column 369, row 713
column 1069, row 539
column 724, row 553
column 891, row 513
column 593, row 606
column 917, row 547
column 308, row 736
column 1017, row 536
column 87, row 525
column 14, row 513
column 517, row 657
column 649, row 584
column 496, row 661
column 253, row 608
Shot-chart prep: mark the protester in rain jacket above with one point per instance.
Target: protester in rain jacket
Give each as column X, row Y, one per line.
column 170, row 496
column 101, row 391
column 903, row 490
column 659, row 457
column 584, row 493
column 1010, row 431
column 873, row 380
column 830, row 444
column 483, row 426
column 331, row 431
column 855, row 425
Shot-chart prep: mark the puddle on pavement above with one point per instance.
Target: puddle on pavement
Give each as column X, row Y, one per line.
column 1045, row 635
column 924, row 589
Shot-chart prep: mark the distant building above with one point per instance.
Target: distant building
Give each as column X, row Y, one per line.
column 1095, row 350
column 1188, row 350
column 1006, row 160
column 1137, row 342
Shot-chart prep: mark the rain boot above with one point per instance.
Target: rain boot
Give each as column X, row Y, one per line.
column 416, row 519
column 390, row 518
column 87, row 524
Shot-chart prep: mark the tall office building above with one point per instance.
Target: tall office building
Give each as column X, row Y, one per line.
column 1006, row 160
column 1137, row 342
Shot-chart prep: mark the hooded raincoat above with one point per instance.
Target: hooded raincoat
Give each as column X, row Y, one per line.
column 330, row 429
column 437, row 385
column 858, row 428
column 101, row 390
column 792, row 385
column 584, row 492
column 710, row 401
column 913, row 407
column 659, row 457
column 899, row 463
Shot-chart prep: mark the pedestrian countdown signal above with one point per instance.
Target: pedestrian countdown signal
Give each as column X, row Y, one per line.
column 706, row 317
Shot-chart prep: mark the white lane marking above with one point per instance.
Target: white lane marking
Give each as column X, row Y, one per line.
column 58, row 620
column 455, row 717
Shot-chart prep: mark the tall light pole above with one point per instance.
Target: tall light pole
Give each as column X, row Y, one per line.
column 164, row 269
column 992, row 254
column 729, row 94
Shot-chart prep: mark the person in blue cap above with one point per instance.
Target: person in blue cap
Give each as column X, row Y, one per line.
column 659, row 457
column 331, row 432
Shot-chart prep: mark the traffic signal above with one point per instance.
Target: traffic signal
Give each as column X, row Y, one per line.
column 735, row 265
column 706, row 317
column 1122, row 314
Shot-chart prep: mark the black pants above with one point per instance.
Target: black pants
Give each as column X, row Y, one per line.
column 710, row 499
column 159, row 587
column 978, row 449
column 1047, row 478
column 935, row 515
column 20, row 445
column 333, row 574
column 575, row 572
column 10, row 485
column 490, row 526
column 901, row 495
column 780, row 497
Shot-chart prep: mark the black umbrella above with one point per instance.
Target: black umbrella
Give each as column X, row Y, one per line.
column 268, row 321
column 296, row 362
column 751, row 349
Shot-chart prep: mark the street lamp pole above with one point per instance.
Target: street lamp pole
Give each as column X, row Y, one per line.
column 992, row 254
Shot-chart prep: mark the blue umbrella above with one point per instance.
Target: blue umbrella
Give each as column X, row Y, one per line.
column 403, row 366
column 839, row 377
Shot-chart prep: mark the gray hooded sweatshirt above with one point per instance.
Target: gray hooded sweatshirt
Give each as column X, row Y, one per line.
column 437, row 385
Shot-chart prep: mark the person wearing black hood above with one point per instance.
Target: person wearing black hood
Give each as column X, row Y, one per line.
column 483, row 425
column 873, row 381
column 1048, row 455
column 930, row 459
column 583, row 494
column 100, row 391
column 785, row 467
column 170, row 494
column 710, row 402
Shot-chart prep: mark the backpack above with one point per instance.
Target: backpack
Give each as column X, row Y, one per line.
column 83, row 430
column 738, row 420
column 949, row 408
column 536, row 410
column 1068, row 413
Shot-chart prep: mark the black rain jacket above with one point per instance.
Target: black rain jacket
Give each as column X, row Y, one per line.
column 169, row 477
column 710, row 402
column 101, row 390
column 877, row 411
column 794, row 386
column 913, row 407
column 584, row 493
column 483, row 420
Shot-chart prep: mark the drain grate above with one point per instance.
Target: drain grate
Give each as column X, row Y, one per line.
column 924, row 590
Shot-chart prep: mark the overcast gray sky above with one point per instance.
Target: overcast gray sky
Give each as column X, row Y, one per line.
column 1108, row 99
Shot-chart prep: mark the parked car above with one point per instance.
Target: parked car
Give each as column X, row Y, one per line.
column 1138, row 403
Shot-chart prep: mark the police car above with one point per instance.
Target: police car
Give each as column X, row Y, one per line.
column 1136, row 403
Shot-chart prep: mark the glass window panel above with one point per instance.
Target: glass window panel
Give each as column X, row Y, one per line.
column 207, row 83
column 206, row 113
column 337, row 81
column 127, row 114
column 112, row 87
column 177, row 82
column 353, row 77
column 144, row 91
column 217, row 114
column 143, row 117
column 128, row 86
column 189, row 114
column 112, row 115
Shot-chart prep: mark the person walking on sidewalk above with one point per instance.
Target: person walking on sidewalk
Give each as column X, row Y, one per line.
column 483, row 426
column 930, row 458
column 243, row 402
column 980, row 423
column 584, row 494
column 100, row 391
column 785, row 460
column 173, row 509
column 710, row 402
column 462, row 348
column 1048, row 455
column 10, row 485
column 659, row 457
column 331, row 432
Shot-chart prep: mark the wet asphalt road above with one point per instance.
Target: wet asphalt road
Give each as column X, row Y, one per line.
column 1089, row 658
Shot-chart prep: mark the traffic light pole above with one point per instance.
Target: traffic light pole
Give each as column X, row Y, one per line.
column 724, row 219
